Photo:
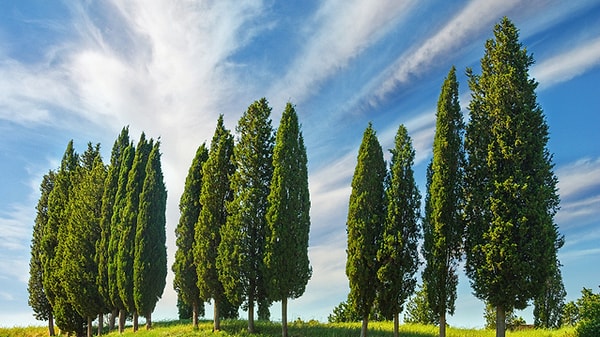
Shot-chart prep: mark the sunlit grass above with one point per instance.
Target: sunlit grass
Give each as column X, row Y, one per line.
column 238, row 328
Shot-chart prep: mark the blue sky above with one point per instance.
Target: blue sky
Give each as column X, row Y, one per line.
column 83, row 70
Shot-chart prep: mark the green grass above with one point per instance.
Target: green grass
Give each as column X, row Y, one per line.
column 237, row 328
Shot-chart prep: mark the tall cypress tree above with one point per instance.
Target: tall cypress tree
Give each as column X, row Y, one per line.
column 111, row 185
column 215, row 193
column 444, row 225
column 38, row 300
column 120, row 203
column 286, row 254
column 128, row 225
column 548, row 306
column 398, row 255
column 150, row 253
column 66, row 316
column 185, row 281
column 366, row 217
column 79, row 268
column 241, row 251
column 511, row 188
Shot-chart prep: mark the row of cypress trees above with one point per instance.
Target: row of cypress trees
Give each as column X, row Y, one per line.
column 491, row 197
column 242, row 236
column 99, row 237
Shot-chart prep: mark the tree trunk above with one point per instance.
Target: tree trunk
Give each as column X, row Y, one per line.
column 195, row 314
column 284, row 325
column 251, row 315
column 100, row 323
column 443, row 323
column 112, row 319
column 51, row 325
column 365, row 325
column 122, row 320
column 135, row 321
column 217, row 316
column 149, row 321
column 89, row 326
column 396, row 324
column 500, row 322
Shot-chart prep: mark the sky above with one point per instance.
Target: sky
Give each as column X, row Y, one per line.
column 82, row 70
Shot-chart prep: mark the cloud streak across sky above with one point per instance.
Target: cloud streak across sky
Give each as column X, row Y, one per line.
column 170, row 67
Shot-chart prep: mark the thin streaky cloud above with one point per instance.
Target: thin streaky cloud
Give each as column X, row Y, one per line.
column 470, row 22
column 577, row 177
column 345, row 29
column 568, row 65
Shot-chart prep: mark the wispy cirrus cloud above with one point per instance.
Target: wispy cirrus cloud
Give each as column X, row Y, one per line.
column 343, row 30
column 569, row 64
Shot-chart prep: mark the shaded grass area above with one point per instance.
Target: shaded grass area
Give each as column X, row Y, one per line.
column 238, row 328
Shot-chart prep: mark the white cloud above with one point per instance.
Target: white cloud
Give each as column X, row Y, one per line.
column 580, row 176
column 567, row 65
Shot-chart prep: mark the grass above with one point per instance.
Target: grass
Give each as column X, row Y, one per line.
column 237, row 328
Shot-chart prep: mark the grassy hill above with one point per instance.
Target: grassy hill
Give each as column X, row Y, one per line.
column 237, row 328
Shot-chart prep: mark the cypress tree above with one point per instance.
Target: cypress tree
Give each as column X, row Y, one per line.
column 111, row 186
column 288, row 220
column 67, row 318
column 548, row 306
column 443, row 225
column 185, row 282
column 398, row 255
column 366, row 217
column 79, row 269
column 128, row 225
column 241, row 251
column 38, row 300
column 511, row 190
column 150, row 255
column 120, row 203
column 214, row 194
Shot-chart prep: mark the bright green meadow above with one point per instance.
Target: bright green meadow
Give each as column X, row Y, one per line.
column 297, row 329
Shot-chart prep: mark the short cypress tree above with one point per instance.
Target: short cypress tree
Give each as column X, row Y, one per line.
column 185, row 281
column 150, row 253
column 288, row 220
column 241, row 250
column 443, row 224
column 215, row 193
column 366, row 217
column 79, row 267
column 38, row 300
column 66, row 316
column 398, row 255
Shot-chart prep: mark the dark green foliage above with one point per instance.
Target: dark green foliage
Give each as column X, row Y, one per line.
column 184, row 267
column 214, row 193
column 511, row 194
column 398, row 255
column 288, row 220
column 128, row 224
column 418, row 310
column 79, row 269
column 549, row 304
column 37, row 297
column 150, row 255
column 366, row 217
column 443, row 225
column 111, row 186
column 67, row 318
column 120, row 203
column 241, row 250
